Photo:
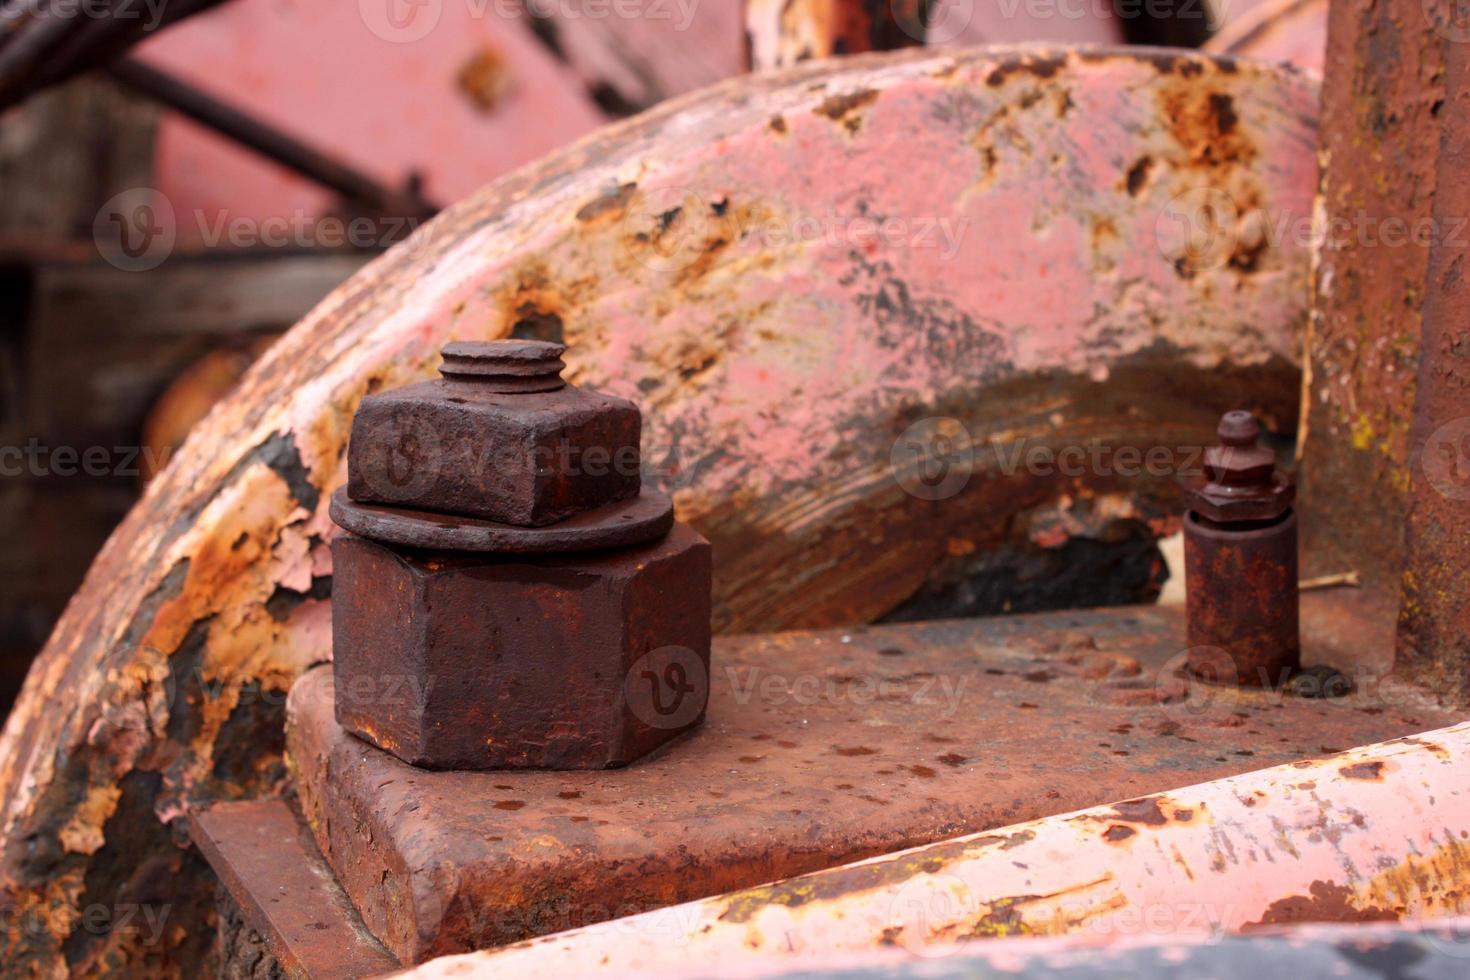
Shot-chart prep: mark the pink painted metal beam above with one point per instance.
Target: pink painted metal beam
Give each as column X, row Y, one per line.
column 1380, row 832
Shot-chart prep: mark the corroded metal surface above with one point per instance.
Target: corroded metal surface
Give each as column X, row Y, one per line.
column 646, row 517
column 266, row 861
column 1145, row 949
column 1381, row 115
column 1044, row 325
column 818, row 748
column 1240, row 562
column 1242, row 600
column 501, row 436
column 1434, row 635
column 588, row 655
column 1380, row 832
column 455, row 661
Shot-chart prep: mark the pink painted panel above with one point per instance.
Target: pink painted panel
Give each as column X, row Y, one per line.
column 338, row 74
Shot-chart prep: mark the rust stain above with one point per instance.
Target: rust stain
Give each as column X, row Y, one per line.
column 613, row 202
column 485, row 79
column 843, row 108
column 1144, row 811
column 1326, row 902
column 1363, row 770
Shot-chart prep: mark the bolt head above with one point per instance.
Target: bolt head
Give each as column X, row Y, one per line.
column 500, row 437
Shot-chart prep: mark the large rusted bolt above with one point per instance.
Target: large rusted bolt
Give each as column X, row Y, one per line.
column 1240, row 563
column 507, row 594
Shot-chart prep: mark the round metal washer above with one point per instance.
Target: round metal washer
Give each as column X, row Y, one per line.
column 646, row 517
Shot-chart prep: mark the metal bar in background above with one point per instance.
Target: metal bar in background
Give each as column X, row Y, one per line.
column 268, row 141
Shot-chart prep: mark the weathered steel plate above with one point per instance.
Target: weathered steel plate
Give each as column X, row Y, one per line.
column 819, row 748
column 1381, row 832
column 264, row 856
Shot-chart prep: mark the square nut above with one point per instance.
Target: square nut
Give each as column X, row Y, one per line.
column 454, row 447
column 462, row 661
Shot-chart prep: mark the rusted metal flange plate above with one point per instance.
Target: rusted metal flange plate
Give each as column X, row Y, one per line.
column 818, row 749
column 645, row 517
column 264, row 857
column 1381, row 832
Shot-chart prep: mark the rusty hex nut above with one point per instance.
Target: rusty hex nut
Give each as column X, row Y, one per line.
column 496, row 661
column 500, row 436
column 1241, row 480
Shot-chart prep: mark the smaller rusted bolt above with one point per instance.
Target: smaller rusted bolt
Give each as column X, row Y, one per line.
column 1240, row 558
column 508, row 366
column 1242, row 482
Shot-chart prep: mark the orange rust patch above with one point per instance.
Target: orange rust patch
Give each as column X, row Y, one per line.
column 1007, row 842
column 1327, row 902
column 485, row 79
column 613, row 202
column 1144, row 811
column 1119, row 832
column 1204, row 123
column 1363, row 770
column 844, row 108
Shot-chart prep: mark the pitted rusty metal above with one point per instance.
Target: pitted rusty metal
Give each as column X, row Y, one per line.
column 1242, row 483
column 1240, row 563
column 1434, row 615
column 1380, row 832
column 488, row 657
column 500, row 437
column 211, row 597
column 1382, row 114
column 820, row 748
